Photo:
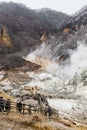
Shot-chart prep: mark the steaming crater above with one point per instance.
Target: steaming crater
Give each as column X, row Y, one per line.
column 55, row 77
column 43, row 56
column 64, row 81
column 67, row 80
column 59, row 79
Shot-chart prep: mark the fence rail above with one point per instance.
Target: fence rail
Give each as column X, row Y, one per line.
column 7, row 106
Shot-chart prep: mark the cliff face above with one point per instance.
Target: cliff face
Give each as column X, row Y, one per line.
column 5, row 39
column 43, row 37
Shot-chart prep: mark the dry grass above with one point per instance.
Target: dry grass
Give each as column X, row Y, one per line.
column 36, row 122
column 78, row 127
column 38, row 127
column 6, row 96
column 27, row 121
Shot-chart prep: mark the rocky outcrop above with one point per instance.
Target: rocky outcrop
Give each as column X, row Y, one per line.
column 26, row 35
column 5, row 39
column 43, row 37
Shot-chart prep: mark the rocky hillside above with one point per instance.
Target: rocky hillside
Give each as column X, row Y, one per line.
column 25, row 26
column 69, row 35
column 53, row 17
column 16, row 36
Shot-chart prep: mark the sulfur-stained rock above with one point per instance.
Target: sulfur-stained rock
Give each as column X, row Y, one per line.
column 5, row 39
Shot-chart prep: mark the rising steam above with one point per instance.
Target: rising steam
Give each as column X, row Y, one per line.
column 78, row 58
column 43, row 56
column 42, row 52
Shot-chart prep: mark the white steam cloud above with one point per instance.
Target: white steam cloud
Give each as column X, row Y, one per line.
column 43, row 51
column 78, row 59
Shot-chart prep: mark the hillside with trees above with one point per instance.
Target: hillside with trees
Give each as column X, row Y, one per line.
column 24, row 25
